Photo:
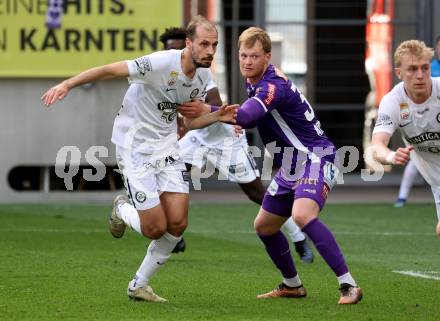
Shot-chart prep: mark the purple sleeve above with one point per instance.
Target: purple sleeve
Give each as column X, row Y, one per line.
column 214, row 108
column 249, row 112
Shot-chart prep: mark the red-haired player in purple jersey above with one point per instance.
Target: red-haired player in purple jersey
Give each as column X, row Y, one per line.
column 307, row 166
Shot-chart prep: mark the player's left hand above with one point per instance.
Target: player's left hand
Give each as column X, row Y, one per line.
column 228, row 113
column 402, row 155
column 193, row 109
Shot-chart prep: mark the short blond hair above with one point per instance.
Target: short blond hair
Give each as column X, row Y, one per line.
column 253, row 34
column 412, row 47
column 197, row 21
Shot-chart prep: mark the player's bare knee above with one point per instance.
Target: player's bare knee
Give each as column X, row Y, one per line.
column 263, row 229
column 153, row 231
column 301, row 218
column 178, row 227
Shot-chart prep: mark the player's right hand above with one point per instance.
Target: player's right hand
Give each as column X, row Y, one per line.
column 402, row 155
column 55, row 93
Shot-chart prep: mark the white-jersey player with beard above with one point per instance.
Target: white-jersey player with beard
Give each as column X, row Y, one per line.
column 413, row 108
column 218, row 146
column 146, row 143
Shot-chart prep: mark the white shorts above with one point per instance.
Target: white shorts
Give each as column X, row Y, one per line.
column 234, row 163
column 145, row 179
column 436, row 194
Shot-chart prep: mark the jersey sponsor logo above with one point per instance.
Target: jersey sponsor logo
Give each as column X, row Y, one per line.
column 270, row 94
column 143, row 65
column 186, row 85
column 166, row 105
column 428, row 136
column 429, row 149
column 194, row 93
column 168, row 110
column 140, row 197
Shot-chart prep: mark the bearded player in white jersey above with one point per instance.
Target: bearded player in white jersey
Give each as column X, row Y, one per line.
column 208, row 146
column 413, row 107
column 145, row 135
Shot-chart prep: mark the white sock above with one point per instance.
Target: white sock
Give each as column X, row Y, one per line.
column 293, row 230
column 409, row 176
column 346, row 278
column 158, row 253
column 292, row 282
column 130, row 216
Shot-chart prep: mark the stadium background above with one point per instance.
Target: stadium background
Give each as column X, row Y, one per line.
column 320, row 44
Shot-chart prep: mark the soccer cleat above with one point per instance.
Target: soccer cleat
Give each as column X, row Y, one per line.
column 284, row 291
column 115, row 224
column 304, row 251
column 180, row 247
column 400, row 203
column 349, row 294
column 144, row 293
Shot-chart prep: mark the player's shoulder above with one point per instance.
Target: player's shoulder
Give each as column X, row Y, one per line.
column 395, row 96
column 436, row 84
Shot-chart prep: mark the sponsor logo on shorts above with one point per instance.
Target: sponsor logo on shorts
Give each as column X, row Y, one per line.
column 310, row 190
column 185, row 176
column 238, row 169
column 140, row 197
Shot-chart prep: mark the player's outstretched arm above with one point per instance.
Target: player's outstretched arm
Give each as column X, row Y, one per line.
column 194, row 109
column 226, row 114
column 110, row 71
column 384, row 155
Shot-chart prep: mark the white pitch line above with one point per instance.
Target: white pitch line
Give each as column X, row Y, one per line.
column 420, row 274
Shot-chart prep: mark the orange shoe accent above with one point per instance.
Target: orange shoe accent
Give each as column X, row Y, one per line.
column 284, row 291
column 350, row 294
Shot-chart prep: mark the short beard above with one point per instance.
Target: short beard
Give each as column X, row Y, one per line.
column 201, row 65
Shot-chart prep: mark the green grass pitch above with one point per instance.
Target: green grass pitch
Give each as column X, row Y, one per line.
column 58, row 262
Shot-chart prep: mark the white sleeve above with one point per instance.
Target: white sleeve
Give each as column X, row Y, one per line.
column 211, row 84
column 388, row 115
column 143, row 69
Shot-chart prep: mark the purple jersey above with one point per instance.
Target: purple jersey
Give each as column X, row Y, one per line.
column 282, row 115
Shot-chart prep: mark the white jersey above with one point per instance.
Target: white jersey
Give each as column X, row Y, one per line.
column 147, row 118
column 214, row 135
column 419, row 125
